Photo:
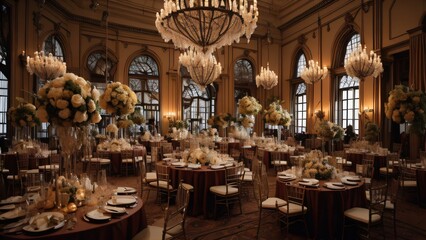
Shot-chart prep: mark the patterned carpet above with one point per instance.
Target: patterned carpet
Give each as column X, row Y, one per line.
column 410, row 222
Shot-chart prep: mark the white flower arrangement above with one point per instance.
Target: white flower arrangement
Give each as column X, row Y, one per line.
column 407, row 105
column 276, row 115
column 329, row 131
column 246, row 122
column 239, row 132
column 68, row 101
column 249, row 106
column 112, row 128
column 115, row 145
column 222, row 120
column 146, row 136
column 118, row 99
column 46, row 67
column 124, row 123
column 315, row 166
column 23, row 115
column 202, row 156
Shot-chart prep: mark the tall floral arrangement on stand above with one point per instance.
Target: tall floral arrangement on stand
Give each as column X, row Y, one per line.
column 372, row 132
column 277, row 116
column 407, row 105
column 118, row 100
column 249, row 106
column 223, row 120
column 70, row 104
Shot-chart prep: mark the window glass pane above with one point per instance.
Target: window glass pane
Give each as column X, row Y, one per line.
column 301, row 64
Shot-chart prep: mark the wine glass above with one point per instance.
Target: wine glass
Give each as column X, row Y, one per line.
column 102, row 180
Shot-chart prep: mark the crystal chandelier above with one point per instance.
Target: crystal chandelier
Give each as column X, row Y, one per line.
column 203, row 68
column 313, row 73
column 267, row 78
column 206, row 24
column 46, row 67
column 360, row 64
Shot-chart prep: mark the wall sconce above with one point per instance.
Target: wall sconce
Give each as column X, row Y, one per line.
column 23, row 58
column 170, row 116
column 366, row 113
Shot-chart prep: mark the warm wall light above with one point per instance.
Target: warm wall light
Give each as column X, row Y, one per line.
column 170, row 115
column 23, row 58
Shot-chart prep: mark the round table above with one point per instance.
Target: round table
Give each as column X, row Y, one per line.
column 326, row 206
column 123, row 227
column 357, row 158
column 202, row 179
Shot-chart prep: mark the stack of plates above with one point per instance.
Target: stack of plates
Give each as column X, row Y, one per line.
column 125, row 190
column 309, row 182
column 334, row 185
column 97, row 215
column 122, row 201
column 115, row 210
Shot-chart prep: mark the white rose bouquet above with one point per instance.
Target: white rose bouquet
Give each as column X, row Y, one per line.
column 118, row 99
column 318, row 168
column 23, row 115
column 68, row 101
column 249, row 106
column 276, row 115
column 246, row 122
column 124, row 123
column 329, row 131
column 407, row 105
column 222, row 120
column 112, row 128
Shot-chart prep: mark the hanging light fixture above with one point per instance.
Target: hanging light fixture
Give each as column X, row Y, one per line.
column 361, row 65
column 313, row 73
column 206, row 24
column 267, row 78
column 46, row 67
column 203, row 68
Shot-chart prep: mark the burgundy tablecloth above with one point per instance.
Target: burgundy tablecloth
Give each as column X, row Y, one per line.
column 326, row 207
column 123, row 227
column 202, row 200
column 421, row 186
column 356, row 158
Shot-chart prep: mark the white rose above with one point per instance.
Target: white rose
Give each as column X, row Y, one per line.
column 70, row 76
column 61, row 103
column 64, row 113
column 96, row 117
column 80, row 117
column 91, row 106
column 42, row 92
column 30, row 107
column 77, row 100
column 55, row 93
column 41, row 113
column 81, row 82
column 67, row 94
column 58, row 83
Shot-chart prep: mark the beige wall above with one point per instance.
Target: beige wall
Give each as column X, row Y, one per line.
column 398, row 16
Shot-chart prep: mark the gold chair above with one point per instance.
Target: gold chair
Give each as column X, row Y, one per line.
column 163, row 184
column 223, row 147
column 230, row 192
column 261, row 193
column 174, row 221
column 128, row 161
column 407, row 179
column 100, row 160
column 145, row 178
column 365, row 218
column 277, row 160
column 294, row 209
column 391, row 202
column 392, row 160
column 13, row 174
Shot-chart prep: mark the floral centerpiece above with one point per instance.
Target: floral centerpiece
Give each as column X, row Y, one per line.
column 112, row 129
column 118, row 99
column 124, row 122
column 315, row 166
column 137, row 117
column 239, row 132
column 407, row 105
column 276, row 115
column 114, row 145
column 372, row 132
column 178, row 124
column 24, row 115
column 246, row 122
column 223, row 120
column 329, row 131
column 203, row 156
column 249, row 106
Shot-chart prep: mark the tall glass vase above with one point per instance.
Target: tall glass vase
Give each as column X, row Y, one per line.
column 279, row 134
column 70, row 141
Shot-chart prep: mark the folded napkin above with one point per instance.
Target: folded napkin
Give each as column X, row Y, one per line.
column 12, row 199
column 17, row 212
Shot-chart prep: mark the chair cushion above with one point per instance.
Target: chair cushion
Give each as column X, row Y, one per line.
column 188, row 187
column 292, row 209
column 161, row 184
column 127, row 160
column 151, row 176
column 32, row 171
column 49, row 167
column 150, row 232
column 389, row 205
column 408, row 183
column 221, row 190
column 383, row 170
column 279, row 162
column 270, row 202
column 361, row 215
column 248, row 173
column 248, row 178
column 100, row 160
column 139, row 159
column 246, row 169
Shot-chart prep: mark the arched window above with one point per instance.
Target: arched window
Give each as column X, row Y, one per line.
column 299, row 95
column 244, row 77
column 197, row 105
column 97, row 63
column 53, row 45
column 144, row 79
column 347, row 97
column 5, row 66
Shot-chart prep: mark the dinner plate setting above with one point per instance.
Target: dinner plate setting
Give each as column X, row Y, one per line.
column 97, row 216
column 13, row 214
column 194, row 166
column 309, row 182
column 351, row 180
column 217, row 166
column 179, row 164
column 125, row 190
column 122, row 201
column 334, row 185
column 286, row 176
column 44, row 222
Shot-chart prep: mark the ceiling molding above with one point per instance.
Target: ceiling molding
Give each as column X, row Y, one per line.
column 305, row 14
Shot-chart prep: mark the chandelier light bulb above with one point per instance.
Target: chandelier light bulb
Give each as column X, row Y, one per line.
column 313, row 73
column 46, row 67
column 361, row 65
column 267, row 78
column 206, row 24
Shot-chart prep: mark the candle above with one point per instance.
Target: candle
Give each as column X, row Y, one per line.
column 80, row 194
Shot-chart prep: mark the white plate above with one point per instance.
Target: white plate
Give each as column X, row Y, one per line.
column 353, row 178
column 98, row 215
column 179, row 164
column 12, row 214
column 286, row 178
column 43, row 222
column 229, row 165
column 122, row 200
column 347, row 182
column 7, row 207
column 217, row 166
column 167, row 159
column 114, row 210
column 194, row 166
column 334, row 186
column 284, row 174
column 311, row 180
column 13, row 199
column 125, row 190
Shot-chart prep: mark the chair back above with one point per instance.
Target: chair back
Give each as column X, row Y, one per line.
column 396, row 148
column 260, row 182
column 260, row 153
column 223, row 147
column 234, row 176
column 174, row 221
column 154, row 154
column 341, row 154
column 236, row 154
column 294, row 195
column 392, row 159
column 368, row 166
column 23, row 161
column 127, row 154
column 378, row 195
column 393, row 191
column 166, row 147
column 11, row 163
column 55, row 158
column 407, row 174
